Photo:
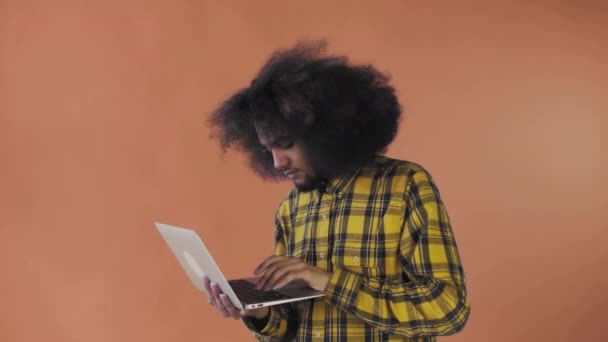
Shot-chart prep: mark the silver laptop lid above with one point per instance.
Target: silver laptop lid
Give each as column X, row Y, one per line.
column 195, row 259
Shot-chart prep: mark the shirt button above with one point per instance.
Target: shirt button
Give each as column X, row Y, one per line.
column 324, row 216
column 356, row 259
column 322, row 255
column 317, row 334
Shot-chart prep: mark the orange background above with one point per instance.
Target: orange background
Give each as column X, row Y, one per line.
column 102, row 132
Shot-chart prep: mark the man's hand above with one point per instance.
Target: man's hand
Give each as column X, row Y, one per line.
column 223, row 304
column 278, row 271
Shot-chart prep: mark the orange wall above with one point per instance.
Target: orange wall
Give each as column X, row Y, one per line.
column 102, row 109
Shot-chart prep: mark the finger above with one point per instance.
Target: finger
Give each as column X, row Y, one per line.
column 273, row 261
column 272, row 269
column 288, row 268
column 215, row 289
column 290, row 276
column 207, row 287
column 267, row 262
column 217, row 292
column 232, row 311
column 221, row 308
column 297, row 272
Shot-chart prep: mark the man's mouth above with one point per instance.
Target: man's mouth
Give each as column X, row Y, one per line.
column 289, row 173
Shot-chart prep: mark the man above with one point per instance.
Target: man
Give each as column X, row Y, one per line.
column 369, row 231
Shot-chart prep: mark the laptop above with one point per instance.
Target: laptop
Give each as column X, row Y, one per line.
column 196, row 261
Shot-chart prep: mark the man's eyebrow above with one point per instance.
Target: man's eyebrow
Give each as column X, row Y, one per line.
column 277, row 141
column 267, row 142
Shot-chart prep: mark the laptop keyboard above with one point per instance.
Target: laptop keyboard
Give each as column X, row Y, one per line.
column 248, row 294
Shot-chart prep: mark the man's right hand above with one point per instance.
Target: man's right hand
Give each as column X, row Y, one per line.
column 223, row 304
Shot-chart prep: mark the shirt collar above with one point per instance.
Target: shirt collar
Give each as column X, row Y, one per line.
column 339, row 184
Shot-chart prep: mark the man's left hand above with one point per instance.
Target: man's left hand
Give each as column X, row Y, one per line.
column 278, row 271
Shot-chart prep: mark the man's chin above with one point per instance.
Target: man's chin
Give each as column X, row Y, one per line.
column 308, row 184
column 304, row 187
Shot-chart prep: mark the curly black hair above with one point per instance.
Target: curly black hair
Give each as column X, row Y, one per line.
column 342, row 114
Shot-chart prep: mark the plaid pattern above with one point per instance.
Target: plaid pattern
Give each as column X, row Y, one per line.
column 385, row 234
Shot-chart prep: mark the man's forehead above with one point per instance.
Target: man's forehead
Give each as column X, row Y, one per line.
column 270, row 137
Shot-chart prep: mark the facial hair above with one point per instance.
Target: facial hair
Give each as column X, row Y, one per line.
column 310, row 183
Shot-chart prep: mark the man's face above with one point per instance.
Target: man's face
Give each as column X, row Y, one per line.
column 290, row 158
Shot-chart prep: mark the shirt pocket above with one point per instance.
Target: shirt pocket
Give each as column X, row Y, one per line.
column 352, row 259
column 369, row 243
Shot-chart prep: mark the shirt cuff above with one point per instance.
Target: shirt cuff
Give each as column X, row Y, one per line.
column 273, row 326
column 342, row 288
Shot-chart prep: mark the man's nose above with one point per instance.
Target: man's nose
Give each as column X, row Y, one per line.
column 281, row 161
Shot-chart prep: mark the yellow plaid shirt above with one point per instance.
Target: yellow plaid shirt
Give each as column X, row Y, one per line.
column 385, row 234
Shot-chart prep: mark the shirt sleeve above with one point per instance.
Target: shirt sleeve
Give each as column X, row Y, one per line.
column 282, row 318
column 276, row 327
column 433, row 300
